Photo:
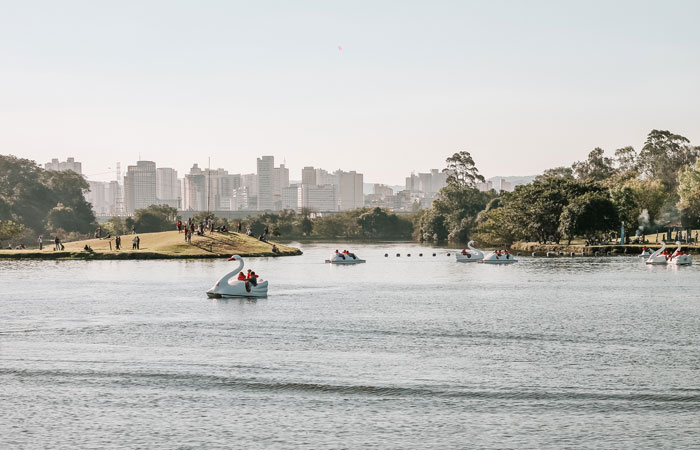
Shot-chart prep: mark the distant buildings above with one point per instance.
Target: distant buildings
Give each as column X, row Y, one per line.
column 140, row 186
column 350, row 190
column 268, row 189
column 69, row 164
column 168, row 187
column 322, row 198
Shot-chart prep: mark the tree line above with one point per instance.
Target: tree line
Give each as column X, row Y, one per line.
column 647, row 190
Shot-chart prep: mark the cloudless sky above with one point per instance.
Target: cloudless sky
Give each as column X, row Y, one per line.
column 522, row 85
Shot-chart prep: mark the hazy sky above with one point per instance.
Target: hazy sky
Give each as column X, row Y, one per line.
column 522, row 85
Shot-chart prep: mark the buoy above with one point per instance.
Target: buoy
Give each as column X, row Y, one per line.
column 420, row 254
column 398, row 255
column 572, row 254
column 448, row 254
column 533, row 254
column 408, row 255
column 433, row 254
column 386, row 255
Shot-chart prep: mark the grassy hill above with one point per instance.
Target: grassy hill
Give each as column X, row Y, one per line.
column 163, row 245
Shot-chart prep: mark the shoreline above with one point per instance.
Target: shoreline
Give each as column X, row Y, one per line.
column 591, row 250
column 129, row 255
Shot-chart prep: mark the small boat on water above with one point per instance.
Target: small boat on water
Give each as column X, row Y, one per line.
column 344, row 258
column 471, row 255
column 228, row 286
column 499, row 257
column 679, row 257
column 646, row 253
column 659, row 256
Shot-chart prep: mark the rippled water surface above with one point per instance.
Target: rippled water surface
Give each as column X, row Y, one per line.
column 418, row 352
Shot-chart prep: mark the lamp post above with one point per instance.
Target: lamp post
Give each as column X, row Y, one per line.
column 622, row 233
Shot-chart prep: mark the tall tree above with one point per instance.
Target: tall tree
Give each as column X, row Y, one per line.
column 597, row 167
column 663, row 156
column 461, row 170
column 689, row 195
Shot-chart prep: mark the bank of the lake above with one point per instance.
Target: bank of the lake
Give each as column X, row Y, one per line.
column 591, row 250
column 163, row 245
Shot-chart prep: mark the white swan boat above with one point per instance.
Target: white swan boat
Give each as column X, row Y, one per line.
column 679, row 257
column 228, row 286
column 499, row 257
column 471, row 255
column 646, row 253
column 658, row 258
column 344, row 258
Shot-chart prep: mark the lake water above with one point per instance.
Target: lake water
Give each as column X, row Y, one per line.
column 418, row 352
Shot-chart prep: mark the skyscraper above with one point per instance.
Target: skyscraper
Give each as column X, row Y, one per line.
column 308, row 176
column 167, row 187
column 140, row 186
column 195, row 190
column 350, row 192
column 69, row 164
column 266, row 166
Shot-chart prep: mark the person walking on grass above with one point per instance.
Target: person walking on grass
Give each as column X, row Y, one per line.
column 118, row 242
column 134, row 242
column 57, row 243
column 41, row 243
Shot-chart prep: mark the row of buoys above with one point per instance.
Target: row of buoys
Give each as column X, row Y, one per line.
column 408, row 255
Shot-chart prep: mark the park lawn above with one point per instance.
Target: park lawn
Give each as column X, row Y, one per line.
column 166, row 244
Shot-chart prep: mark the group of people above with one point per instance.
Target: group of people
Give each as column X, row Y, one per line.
column 250, row 279
column 345, row 254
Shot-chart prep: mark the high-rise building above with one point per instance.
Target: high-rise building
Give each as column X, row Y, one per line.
column 290, row 197
column 350, row 190
column 321, row 198
column 167, row 187
column 140, row 186
column 308, row 176
column 69, row 164
column 280, row 181
column 195, row 190
column 323, row 177
column 266, row 166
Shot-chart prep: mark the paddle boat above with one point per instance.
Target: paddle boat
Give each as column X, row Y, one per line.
column 499, row 257
column 646, row 253
column 679, row 257
column 659, row 256
column 229, row 286
column 344, row 257
column 471, row 255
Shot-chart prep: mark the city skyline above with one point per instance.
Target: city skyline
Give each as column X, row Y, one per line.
column 522, row 87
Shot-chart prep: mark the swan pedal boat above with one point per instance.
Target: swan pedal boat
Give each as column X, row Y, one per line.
column 471, row 255
column 646, row 253
column 679, row 257
column 340, row 258
column 658, row 258
column 229, row 286
column 496, row 258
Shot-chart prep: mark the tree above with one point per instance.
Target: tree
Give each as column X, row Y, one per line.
column 597, row 167
column 307, row 224
column 380, row 223
column 626, row 159
column 663, row 156
column 10, row 230
column 495, row 228
column 461, row 170
column 588, row 215
column 689, row 195
column 557, row 172
column 535, row 209
column 155, row 218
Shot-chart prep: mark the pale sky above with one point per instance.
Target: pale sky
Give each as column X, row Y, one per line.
column 522, row 85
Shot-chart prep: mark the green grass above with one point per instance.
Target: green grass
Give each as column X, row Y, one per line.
column 166, row 244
